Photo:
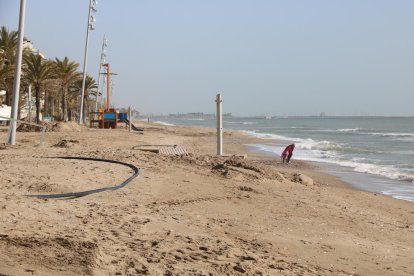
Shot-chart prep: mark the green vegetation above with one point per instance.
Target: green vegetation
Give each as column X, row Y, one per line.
column 56, row 84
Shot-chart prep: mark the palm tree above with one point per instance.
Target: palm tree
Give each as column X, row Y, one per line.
column 5, row 74
column 90, row 84
column 65, row 71
column 37, row 71
column 8, row 46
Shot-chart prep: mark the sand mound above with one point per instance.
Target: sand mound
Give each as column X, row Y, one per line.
column 67, row 127
column 55, row 127
column 48, row 255
column 31, row 128
column 66, row 143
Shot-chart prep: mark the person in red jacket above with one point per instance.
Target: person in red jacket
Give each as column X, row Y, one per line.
column 287, row 153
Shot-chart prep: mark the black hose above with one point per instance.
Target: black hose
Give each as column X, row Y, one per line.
column 94, row 191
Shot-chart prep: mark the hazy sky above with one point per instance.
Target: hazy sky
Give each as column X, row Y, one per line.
column 349, row 57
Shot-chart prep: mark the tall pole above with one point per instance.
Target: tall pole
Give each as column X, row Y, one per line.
column 16, row 83
column 108, row 88
column 129, row 118
column 219, row 126
column 89, row 27
column 99, row 72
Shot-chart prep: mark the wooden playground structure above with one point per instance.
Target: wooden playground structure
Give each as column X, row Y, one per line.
column 107, row 117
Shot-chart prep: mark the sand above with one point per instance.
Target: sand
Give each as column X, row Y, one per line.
column 197, row 214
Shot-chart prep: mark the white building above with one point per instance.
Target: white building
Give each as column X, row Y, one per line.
column 5, row 110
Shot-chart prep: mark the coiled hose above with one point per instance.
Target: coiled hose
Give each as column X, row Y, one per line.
column 94, row 191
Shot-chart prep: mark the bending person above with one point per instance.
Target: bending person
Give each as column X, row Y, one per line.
column 287, row 153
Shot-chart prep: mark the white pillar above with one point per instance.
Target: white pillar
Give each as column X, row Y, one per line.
column 219, row 126
column 17, row 73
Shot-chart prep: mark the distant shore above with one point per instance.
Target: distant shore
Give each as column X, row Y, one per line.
column 193, row 214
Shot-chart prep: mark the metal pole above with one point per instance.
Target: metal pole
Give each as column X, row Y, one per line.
column 99, row 74
column 30, row 103
column 219, row 126
column 108, row 87
column 130, row 119
column 102, row 97
column 84, row 64
column 16, row 83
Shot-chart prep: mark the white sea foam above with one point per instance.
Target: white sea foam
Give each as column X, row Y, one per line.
column 349, row 129
column 195, row 119
column 270, row 136
column 326, row 152
column 397, row 194
column 392, row 134
column 163, row 123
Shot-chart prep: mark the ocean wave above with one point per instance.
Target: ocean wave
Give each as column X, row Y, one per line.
column 402, row 197
column 315, row 152
column 240, row 123
column 163, row 123
column 349, row 129
column 392, row 134
column 270, row 136
column 195, row 119
column 311, row 144
column 386, row 171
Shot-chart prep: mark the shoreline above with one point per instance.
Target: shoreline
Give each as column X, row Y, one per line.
column 354, row 179
column 192, row 214
column 391, row 177
column 348, row 175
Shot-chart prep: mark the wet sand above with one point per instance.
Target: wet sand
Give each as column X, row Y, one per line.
column 197, row 214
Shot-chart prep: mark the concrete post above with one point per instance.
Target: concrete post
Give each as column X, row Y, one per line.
column 17, row 73
column 219, row 125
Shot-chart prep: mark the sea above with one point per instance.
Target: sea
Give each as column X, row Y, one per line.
column 374, row 154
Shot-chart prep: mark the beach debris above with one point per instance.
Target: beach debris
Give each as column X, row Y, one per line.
column 302, row 179
column 66, row 143
column 239, row 268
column 3, row 146
column 32, row 128
column 246, row 189
column 280, row 177
column 163, row 149
column 237, row 164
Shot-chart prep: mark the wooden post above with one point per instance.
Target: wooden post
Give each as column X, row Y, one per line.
column 130, row 119
column 219, row 126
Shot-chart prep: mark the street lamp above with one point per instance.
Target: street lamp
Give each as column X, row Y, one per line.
column 91, row 21
column 17, row 72
column 103, row 56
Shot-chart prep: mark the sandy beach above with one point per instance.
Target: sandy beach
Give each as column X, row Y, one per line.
column 195, row 214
